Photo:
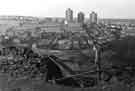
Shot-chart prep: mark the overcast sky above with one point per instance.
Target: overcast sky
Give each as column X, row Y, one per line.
column 56, row 8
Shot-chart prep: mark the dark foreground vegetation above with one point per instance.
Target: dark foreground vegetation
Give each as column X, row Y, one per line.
column 117, row 66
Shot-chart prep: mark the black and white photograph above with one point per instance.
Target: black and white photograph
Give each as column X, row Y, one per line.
column 67, row 45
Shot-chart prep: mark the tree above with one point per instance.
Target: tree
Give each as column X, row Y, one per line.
column 124, row 50
column 96, row 45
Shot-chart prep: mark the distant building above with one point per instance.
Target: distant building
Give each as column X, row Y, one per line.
column 80, row 17
column 51, row 27
column 48, row 19
column 58, row 20
column 93, row 17
column 69, row 15
column 74, row 27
